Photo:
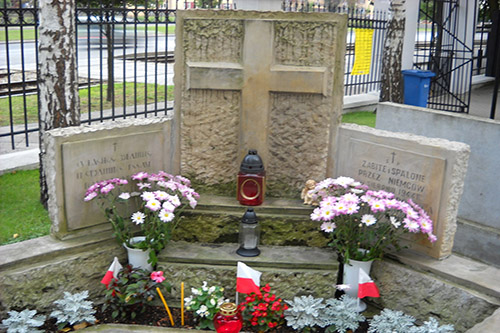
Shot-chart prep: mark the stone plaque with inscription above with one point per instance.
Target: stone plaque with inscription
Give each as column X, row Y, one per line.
column 411, row 167
column 80, row 156
column 271, row 81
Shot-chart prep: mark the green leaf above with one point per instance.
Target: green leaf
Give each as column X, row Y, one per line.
column 115, row 313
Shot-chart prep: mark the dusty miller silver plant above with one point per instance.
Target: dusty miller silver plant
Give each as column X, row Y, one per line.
column 432, row 326
column 342, row 314
column 23, row 322
column 74, row 309
column 391, row 321
column 305, row 312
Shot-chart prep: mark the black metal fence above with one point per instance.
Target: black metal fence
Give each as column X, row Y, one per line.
column 125, row 60
column 358, row 20
column 442, row 49
column 483, row 28
column 18, row 77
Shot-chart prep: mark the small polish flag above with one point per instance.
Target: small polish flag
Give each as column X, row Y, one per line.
column 112, row 272
column 366, row 285
column 247, row 279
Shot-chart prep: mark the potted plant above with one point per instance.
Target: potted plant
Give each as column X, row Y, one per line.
column 364, row 224
column 144, row 210
column 132, row 291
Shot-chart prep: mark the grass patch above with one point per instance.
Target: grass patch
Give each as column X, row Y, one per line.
column 29, row 32
column 162, row 28
column 365, row 118
column 21, row 212
column 95, row 101
column 15, row 34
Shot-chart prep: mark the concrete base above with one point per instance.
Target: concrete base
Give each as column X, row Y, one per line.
column 456, row 290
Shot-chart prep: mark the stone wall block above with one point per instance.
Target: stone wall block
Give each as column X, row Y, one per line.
column 38, row 286
column 424, row 296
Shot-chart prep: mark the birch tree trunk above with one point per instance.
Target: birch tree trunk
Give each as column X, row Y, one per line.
column 57, row 73
column 391, row 88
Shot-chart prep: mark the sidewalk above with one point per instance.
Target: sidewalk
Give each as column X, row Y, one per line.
column 23, row 157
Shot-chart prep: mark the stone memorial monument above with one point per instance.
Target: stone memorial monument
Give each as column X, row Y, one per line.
column 271, row 81
column 77, row 157
column 429, row 171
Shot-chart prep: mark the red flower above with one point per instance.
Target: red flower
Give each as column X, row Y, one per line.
column 271, row 325
column 266, row 288
column 262, row 306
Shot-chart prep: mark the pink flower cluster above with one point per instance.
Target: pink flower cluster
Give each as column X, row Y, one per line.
column 156, row 201
column 346, row 197
column 160, row 200
column 103, row 187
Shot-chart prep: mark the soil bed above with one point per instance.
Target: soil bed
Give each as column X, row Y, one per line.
column 157, row 316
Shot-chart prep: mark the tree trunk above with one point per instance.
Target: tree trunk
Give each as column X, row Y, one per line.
column 391, row 87
column 57, row 75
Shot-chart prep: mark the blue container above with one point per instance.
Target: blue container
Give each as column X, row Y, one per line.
column 417, row 84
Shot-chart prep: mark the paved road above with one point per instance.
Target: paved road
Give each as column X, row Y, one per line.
column 92, row 57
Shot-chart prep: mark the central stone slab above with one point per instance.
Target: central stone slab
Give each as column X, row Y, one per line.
column 271, row 81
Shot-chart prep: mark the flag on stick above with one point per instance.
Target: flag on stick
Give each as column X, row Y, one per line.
column 112, row 272
column 247, row 279
column 366, row 285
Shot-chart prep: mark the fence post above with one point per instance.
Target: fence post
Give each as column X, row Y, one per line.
column 57, row 74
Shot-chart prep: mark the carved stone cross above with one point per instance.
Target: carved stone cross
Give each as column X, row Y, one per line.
column 256, row 77
column 275, row 78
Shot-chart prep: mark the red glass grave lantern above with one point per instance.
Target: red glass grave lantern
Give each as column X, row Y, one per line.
column 228, row 319
column 251, row 180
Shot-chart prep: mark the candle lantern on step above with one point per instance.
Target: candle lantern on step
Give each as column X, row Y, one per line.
column 249, row 235
column 228, row 319
column 251, row 180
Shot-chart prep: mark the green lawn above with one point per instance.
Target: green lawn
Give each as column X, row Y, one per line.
column 21, row 212
column 29, row 32
column 95, row 101
column 15, row 34
column 162, row 28
column 22, row 216
column 365, row 118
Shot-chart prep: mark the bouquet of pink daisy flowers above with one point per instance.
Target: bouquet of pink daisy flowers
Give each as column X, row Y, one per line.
column 148, row 204
column 359, row 218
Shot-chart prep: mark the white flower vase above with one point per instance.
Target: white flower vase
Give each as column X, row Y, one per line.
column 351, row 278
column 136, row 257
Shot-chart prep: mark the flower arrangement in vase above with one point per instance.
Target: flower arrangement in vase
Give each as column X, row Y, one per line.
column 359, row 218
column 148, row 204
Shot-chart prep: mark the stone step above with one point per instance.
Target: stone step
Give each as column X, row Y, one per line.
column 291, row 270
column 283, row 222
column 271, row 206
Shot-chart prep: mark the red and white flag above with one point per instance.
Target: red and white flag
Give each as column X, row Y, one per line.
column 247, row 279
column 366, row 285
column 112, row 272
